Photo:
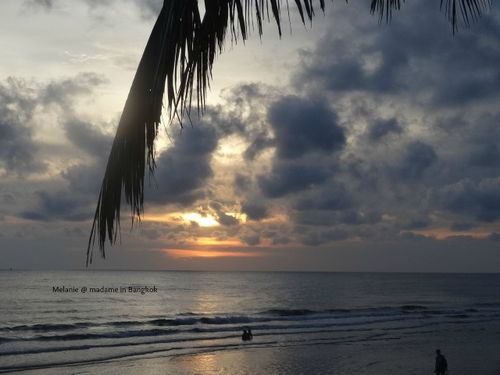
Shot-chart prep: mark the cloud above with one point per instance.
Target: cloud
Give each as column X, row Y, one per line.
column 88, row 138
column 18, row 150
column 301, row 126
column 479, row 199
column 292, row 176
column 58, row 205
column 383, row 128
column 147, row 8
column 261, row 142
column 416, row 223
column 406, row 61
column 418, row 157
column 69, row 194
column 461, row 226
column 331, row 197
column 44, row 4
column 221, row 216
column 254, row 210
column 184, row 168
column 251, row 240
column 63, row 92
column 20, row 104
column 317, row 238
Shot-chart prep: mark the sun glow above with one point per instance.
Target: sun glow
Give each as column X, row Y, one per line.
column 203, row 221
column 184, row 217
column 213, row 241
column 445, row 233
column 182, row 253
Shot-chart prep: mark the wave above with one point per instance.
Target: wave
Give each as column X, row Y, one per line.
column 146, row 333
column 46, row 327
column 266, row 319
column 290, row 312
column 305, row 312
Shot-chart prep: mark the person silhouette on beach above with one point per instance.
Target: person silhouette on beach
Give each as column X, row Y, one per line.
column 441, row 364
column 247, row 335
column 244, row 336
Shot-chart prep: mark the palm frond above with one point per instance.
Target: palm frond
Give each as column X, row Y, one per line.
column 177, row 62
column 384, row 8
column 465, row 11
column 457, row 11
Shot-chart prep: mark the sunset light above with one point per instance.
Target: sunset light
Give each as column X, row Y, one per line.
column 203, row 221
column 212, row 241
column 181, row 253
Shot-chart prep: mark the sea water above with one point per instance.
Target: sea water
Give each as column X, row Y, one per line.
column 55, row 318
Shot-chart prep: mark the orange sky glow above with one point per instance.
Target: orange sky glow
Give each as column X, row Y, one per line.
column 183, row 253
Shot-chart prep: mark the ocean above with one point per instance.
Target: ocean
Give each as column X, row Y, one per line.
column 62, row 319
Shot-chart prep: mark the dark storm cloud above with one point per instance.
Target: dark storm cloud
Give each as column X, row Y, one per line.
column 486, row 155
column 184, row 168
column 88, row 137
column 301, row 126
column 255, row 210
column 332, row 197
column 461, row 226
column 62, row 92
column 479, row 199
column 17, row 148
column 416, row 223
column 85, row 178
column 292, row 176
column 317, row 238
column 481, row 141
column 20, row 104
column 407, row 60
column 418, row 157
column 251, row 240
column 19, row 99
column 58, row 205
column 351, row 217
column 306, row 133
column 220, row 215
column 382, row 128
column 75, row 201
column 260, row 143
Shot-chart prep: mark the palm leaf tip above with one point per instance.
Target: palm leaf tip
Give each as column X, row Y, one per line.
column 465, row 11
column 457, row 11
column 384, row 8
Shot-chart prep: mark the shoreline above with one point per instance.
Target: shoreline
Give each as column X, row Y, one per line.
column 378, row 356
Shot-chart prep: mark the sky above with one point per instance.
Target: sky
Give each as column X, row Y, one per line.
column 348, row 145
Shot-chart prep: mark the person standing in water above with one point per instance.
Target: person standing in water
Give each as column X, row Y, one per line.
column 247, row 335
column 441, row 363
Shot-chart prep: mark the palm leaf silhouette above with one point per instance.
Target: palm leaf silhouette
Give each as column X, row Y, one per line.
column 177, row 62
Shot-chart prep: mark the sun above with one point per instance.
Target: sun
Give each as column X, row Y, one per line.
column 202, row 220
